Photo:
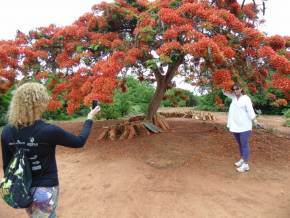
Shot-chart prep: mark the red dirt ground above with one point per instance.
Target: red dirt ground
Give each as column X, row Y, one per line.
column 183, row 173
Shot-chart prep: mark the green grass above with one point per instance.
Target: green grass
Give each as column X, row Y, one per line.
column 287, row 123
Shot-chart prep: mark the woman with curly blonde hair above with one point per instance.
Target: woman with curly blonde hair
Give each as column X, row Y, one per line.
column 26, row 129
column 28, row 104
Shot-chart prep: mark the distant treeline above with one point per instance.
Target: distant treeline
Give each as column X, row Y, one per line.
column 137, row 98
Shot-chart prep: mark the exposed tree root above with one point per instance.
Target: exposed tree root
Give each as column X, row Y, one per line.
column 135, row 126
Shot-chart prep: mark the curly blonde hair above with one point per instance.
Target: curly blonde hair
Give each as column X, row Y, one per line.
column 28, row 104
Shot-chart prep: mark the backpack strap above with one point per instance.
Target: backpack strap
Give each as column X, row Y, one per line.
column 34, row 133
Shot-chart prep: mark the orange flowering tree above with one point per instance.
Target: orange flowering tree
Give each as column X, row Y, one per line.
column 211, row 44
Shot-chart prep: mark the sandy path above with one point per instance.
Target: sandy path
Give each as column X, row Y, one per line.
column 186, row 172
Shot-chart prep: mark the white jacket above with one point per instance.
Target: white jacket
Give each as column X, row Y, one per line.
column 241, row 113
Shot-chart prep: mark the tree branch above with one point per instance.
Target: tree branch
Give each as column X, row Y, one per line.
column 243, row 4
column 173, row 68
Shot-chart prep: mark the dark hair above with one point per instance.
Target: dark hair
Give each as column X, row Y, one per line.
column 236, row 85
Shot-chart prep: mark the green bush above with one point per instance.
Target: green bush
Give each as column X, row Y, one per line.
column 4, row 104
column 109, row 111
column 192, row 101
column 61, row 114
column 121, row 103
column 58, row 114
column 287, row 117
column 287, row 114
column 207, row 102
column 177, row 97
column 139, row 95
column 287, row 123
column 134, row 101
column 261, row 101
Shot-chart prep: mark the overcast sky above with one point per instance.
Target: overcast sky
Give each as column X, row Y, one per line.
column 25, row 15
column 28, row 14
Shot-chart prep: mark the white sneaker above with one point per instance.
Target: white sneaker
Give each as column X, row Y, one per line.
column 243, row 168
column 239, row 163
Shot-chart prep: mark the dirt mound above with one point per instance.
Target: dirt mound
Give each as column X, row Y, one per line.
column 184, row 172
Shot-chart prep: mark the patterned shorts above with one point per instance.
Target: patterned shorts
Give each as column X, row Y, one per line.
column 44, row 202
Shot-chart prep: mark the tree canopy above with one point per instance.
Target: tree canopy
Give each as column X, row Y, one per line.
column 212, row 44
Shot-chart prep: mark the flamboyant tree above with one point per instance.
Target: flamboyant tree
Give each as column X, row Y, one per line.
column 212, row 44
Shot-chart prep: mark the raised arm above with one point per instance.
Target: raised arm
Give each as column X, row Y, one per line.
column 228, row 94
column 61, row 137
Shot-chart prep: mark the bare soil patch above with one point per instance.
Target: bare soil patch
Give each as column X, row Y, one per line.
column 185, row 172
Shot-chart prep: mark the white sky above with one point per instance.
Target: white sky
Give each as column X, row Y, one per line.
column 25, row 15
column 28, row 14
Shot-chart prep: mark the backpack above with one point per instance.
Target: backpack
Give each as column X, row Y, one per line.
column 16, row 184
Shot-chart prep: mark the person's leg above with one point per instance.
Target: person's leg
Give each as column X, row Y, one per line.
column 245, row 150
column 244, row 139
column 44, row 203
column 238, row 139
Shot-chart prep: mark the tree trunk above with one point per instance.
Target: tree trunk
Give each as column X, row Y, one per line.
column 162, row 84
column 157, row 98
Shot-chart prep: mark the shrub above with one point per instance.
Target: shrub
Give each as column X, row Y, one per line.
column 109, row 111
column 287, row 123
column 287, row 117
column 177, row 97
column 134, row 101
column 264, row 103
column 4, row 104
column 61, row 114
column 287, row 114
column 207, row 102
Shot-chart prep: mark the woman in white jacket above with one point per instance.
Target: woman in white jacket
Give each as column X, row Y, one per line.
column 240, row 117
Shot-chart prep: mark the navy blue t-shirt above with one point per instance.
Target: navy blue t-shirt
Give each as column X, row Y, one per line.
column 39, row 141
